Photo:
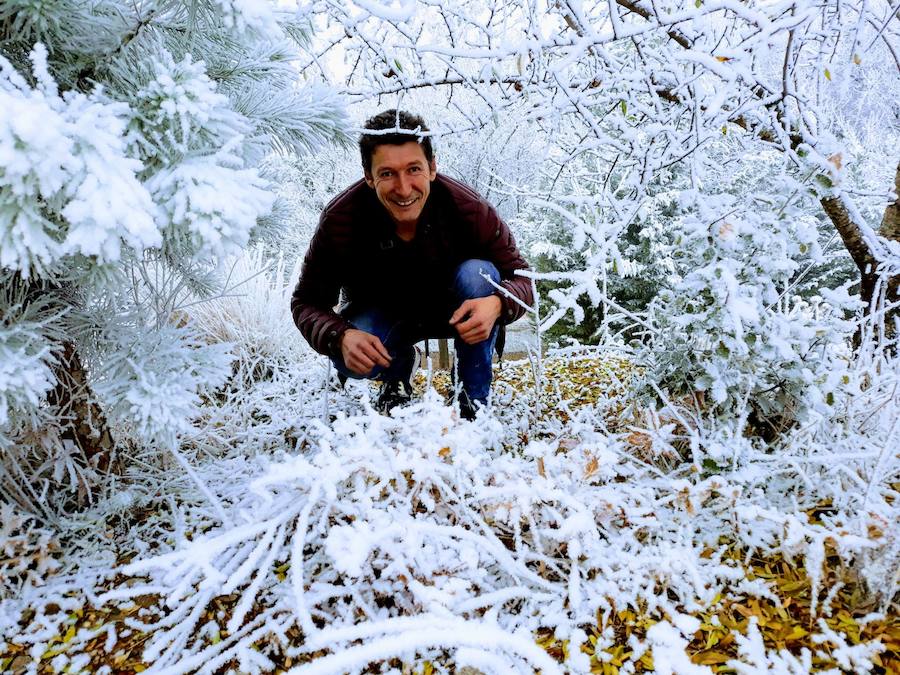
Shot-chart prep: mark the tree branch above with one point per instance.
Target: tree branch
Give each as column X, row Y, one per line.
column 850, row 234
column 890, row 224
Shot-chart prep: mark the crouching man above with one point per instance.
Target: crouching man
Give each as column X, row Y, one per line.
column 408, row 251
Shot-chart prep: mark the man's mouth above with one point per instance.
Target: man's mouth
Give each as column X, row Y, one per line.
column 405, row 203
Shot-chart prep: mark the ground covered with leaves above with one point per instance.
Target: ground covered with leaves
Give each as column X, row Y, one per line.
column 579, row 531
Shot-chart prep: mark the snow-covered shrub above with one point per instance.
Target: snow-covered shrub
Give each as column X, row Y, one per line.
column 68, row 186
column 252, row 315
column 155, row 384
column 416, row 534
column 130, row 144
column 728, row 326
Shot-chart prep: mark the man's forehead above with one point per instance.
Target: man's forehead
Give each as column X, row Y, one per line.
column 405, row 154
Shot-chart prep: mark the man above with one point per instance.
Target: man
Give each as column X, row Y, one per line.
column 408, row 250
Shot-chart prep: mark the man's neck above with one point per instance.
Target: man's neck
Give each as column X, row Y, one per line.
column 406, row 231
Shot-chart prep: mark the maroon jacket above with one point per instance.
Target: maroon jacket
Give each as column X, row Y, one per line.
column 355, row 251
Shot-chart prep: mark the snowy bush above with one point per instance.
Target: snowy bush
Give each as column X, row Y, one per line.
column 68, row 186
column 727, row 324
column 130, row 144
column 155, row 383
column 253, row 314
column 426, row 523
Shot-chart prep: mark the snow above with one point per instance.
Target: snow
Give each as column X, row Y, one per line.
column 664, row 173
column 70, row 152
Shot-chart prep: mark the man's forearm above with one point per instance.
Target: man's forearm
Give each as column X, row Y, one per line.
column 322, row 328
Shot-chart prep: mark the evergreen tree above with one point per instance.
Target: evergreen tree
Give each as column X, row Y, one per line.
column 131, row 135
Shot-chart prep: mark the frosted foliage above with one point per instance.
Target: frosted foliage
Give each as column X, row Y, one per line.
column 418, row 508
column 180, row 110
column 254, row 314
column 153, row 383
column 726, row 322
column 25, row 368
column 209, row 205
column 28, row 333
column 244, row 15
column 68, row 186
column 452, row 546
column 26, row 551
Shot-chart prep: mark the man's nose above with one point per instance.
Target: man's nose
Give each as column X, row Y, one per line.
column 404, row 186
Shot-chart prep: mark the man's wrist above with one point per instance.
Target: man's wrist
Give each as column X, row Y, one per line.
column 336, row 340
column 499, row 305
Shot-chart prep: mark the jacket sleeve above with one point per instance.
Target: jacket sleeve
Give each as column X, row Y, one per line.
column 498, row 245
column 317, row 292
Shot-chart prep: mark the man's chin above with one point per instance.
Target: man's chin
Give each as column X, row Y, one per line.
column 406, row 217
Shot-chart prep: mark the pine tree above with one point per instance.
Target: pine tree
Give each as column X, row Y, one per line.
column 131, row 135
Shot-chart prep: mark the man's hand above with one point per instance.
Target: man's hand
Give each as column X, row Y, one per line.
column 475, row 318
column 363, row 351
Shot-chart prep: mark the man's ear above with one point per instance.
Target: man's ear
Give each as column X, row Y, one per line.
column 432, row 168
column 369, row 180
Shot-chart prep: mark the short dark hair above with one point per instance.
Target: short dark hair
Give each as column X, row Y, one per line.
column 409, row 128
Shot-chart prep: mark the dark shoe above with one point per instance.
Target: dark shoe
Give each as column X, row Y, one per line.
column 397, row 392
column 392, row 394
column 467, row 409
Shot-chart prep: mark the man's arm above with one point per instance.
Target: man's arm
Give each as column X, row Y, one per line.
column 498, row 246
column 316, row 293
column 474, row 319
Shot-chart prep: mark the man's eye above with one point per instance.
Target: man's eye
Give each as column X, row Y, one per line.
column 415, row 169
column 385, row 174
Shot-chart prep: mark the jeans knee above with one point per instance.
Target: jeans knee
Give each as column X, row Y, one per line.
column 470, row 282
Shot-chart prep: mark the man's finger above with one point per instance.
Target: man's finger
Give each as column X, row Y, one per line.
column 467, row 330
column 382, row 350
column 361, row 364
column 460, row 312
column 373, row 353
column 472, row 339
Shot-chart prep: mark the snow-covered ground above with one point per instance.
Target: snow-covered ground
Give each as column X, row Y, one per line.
column 708, row 190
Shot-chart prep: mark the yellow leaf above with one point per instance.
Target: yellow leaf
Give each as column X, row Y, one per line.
column 592, row 466
column 828, row 74
column 723, row 59
column 444, row 452
column 54, row 651
column 798, row 632
column 710, row 658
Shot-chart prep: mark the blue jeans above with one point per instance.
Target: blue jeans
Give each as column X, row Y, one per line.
column 399, row 334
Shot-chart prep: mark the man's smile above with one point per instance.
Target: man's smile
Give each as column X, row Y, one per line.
column 406, row 202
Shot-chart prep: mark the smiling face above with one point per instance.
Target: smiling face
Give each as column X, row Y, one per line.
column 401, row 177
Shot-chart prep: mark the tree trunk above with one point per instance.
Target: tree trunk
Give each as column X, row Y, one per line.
column 851, row 234
column 83, row 422
column 890, row 229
